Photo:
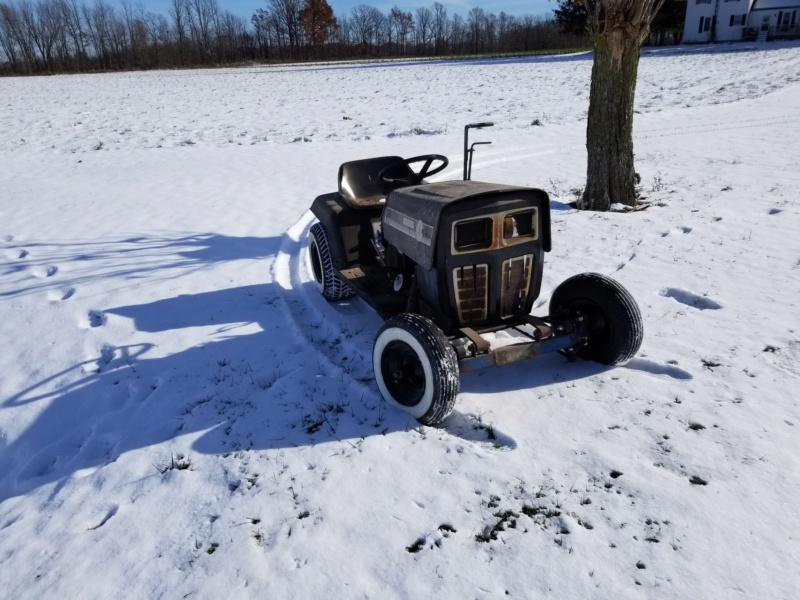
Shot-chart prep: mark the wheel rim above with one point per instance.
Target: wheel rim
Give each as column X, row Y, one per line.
column 599, row 331
column 316, row 261
column 403, row 373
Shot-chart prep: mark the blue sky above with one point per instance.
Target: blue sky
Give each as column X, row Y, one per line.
column 246, row 8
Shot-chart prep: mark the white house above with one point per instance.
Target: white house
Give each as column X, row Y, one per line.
column 736, row 20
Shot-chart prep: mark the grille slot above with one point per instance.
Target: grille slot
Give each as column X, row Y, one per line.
column 471, row 286
column 516, row 285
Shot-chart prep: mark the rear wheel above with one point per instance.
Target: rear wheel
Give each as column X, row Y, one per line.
column 328, row 282
column 416, row 368
column 614, row 321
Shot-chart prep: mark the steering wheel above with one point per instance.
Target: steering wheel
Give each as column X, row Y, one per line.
column 414, row 178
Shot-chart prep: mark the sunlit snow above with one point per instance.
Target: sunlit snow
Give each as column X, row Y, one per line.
column 183, row 415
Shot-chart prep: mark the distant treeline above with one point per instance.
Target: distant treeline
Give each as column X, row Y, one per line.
column 74, row 36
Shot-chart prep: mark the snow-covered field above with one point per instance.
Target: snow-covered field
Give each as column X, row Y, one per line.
column 182, row 415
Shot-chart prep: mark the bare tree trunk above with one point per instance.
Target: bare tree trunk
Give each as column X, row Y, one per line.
column 609, row 131
column 72, row 22
column 618, row 29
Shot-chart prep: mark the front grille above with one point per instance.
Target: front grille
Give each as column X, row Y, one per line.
column 516, row 285
column 471, row 286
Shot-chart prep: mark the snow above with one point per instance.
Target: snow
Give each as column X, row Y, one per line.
column 181, row 413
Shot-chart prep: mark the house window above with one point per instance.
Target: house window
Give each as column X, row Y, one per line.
column 737, row 20
column 705, row 24
column 787, row 18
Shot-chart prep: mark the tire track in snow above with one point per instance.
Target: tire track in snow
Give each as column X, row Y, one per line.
column 714, row 127
column 345, row 345
column 518, row 153
column 506, row 156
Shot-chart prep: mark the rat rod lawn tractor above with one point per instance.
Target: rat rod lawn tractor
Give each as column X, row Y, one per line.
column 449, row 265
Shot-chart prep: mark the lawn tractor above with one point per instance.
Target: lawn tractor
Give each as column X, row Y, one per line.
column 454, row 268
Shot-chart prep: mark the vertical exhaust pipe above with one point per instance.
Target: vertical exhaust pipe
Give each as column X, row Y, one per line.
column 470, row 150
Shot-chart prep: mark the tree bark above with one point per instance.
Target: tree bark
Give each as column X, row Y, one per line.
column 609, row 132
column 618, row 29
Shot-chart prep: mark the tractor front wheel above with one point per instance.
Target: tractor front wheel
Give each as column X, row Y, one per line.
column 416, row 368
column 615, row 329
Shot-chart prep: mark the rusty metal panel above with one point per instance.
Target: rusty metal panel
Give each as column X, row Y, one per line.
column 471, row 285
column 515, row 285
column 497, row 357
column 544, row 328
column 505, row 355
column 481, row 345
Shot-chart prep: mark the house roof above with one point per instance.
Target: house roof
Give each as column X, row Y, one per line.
column 774, row 4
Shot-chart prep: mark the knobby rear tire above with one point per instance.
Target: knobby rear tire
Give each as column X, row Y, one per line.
column 328, row 282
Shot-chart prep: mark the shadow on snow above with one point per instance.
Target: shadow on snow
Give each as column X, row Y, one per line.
column 127, row 259
column 283, row 370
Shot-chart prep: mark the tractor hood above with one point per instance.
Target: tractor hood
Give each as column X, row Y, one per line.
column 412, row 214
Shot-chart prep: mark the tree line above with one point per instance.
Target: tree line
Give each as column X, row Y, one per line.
column 63, row 36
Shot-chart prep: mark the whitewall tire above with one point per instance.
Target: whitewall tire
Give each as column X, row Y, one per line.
column 416, row 368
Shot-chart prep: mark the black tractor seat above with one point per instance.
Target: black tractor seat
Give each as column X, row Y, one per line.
column 360, row 186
